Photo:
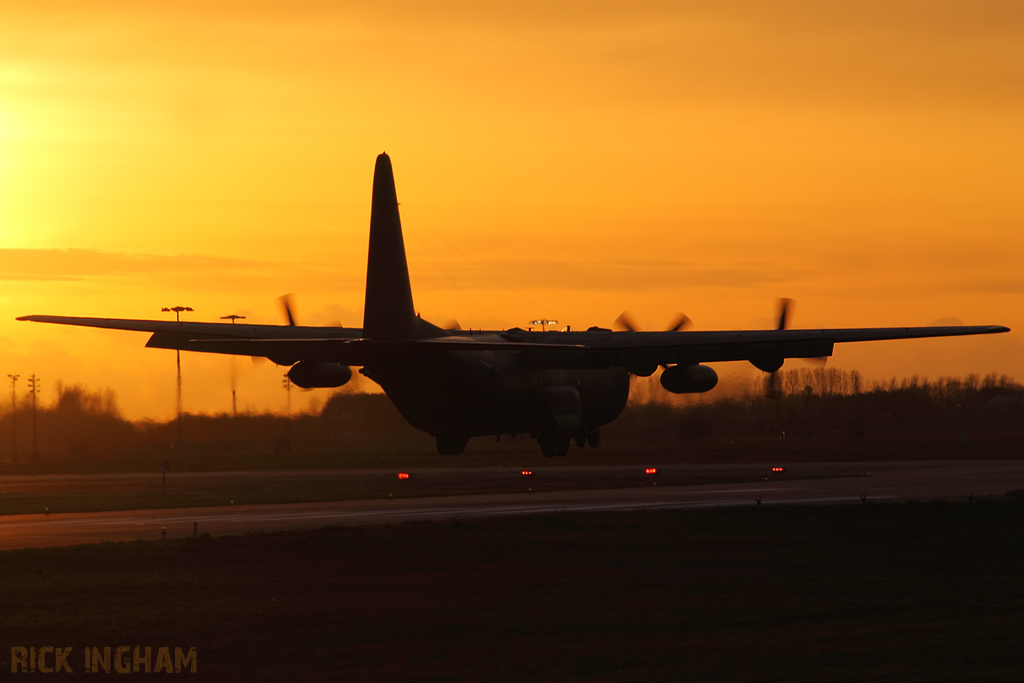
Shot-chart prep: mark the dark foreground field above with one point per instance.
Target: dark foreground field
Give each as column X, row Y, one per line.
column 854, row 593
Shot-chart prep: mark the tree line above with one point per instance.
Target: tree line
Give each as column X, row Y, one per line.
column 86, row 424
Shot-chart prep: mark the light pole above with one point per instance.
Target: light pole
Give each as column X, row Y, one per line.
column 287, row 384
column 14, row 417
column 178, row 310
column 234, row 379
column 33, row 387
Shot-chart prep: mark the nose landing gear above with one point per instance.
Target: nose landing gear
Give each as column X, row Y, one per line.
column 448, row 444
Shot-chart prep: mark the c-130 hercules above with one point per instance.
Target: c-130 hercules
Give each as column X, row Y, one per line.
column 554, row 386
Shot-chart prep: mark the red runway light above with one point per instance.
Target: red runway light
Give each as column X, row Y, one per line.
column 527, row 473
column 778, row 470
column 651, row 470
column 403, row 475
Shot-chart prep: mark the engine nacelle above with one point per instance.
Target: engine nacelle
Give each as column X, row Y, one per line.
column 767, row 364
column 643, row 369
column 313, row 375
column 689, row 379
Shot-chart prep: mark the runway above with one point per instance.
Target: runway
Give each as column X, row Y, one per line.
column 831, row 483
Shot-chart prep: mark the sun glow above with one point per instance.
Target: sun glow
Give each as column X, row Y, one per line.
column 862, row 158
column 10, row 234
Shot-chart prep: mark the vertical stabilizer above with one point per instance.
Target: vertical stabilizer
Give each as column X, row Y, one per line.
column 388, row 313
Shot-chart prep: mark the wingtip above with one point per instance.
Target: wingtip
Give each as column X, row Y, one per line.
column 26, row 317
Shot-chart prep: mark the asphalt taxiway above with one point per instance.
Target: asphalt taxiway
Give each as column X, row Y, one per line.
column 826, row 483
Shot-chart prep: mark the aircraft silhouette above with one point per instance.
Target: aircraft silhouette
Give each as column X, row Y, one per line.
column 456, row 384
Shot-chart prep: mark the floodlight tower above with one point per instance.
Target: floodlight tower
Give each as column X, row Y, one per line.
column 287, row 384
column 33, row 388
column 14, row 417
column 178, row 310
column 234, row 378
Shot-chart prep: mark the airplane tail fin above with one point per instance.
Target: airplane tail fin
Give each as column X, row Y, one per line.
column 388, row 311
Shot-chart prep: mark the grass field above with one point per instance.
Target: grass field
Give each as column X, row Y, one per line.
column 483, row 452
column 891, row 592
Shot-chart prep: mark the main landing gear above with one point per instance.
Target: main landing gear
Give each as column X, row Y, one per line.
column 554, row 446
column 558, row 446
column 451, row 444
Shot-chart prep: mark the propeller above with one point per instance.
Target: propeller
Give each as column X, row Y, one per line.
column 771, row 389
column 285, row 300
column 784, row 306
column 625, row 323
column 682, row 321
column 772, row 385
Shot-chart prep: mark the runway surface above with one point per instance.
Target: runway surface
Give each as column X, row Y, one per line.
column 830, row 483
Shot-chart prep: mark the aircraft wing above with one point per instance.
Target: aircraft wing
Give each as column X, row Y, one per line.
column 286, row 344
column 199, row 329
column 346, row 351
column 170, row 334
column 766, row 348
column 581, row 350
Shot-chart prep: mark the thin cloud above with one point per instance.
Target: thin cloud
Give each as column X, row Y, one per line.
column 81, row 264
column 605, row 275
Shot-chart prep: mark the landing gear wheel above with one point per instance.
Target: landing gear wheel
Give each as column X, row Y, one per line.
column 581, row 440
column 555, row 447
column 451, row 445
column 594, row 438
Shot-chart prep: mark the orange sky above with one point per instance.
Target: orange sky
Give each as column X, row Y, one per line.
column 864, row 158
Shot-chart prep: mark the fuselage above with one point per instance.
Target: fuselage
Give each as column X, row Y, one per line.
column 489, row 393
